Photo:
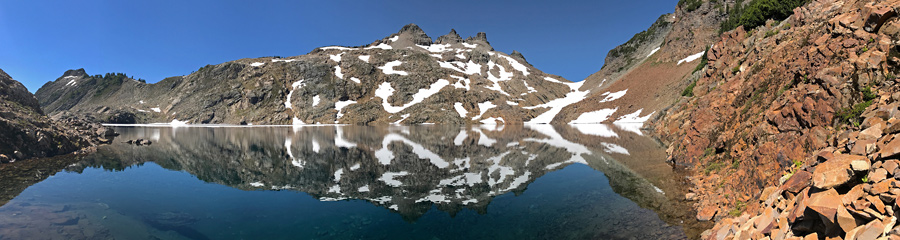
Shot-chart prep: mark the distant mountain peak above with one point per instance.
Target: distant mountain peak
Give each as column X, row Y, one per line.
column 75, row 73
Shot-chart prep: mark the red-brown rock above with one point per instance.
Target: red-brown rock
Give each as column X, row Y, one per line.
column 876, row 202
column 797, row 182
column 826, row 203
column 834, row 172
column 890, row 150
column 845, row 219
column 707, row 213
column 872, row 230
column 877, row 18
column 890, row 166
column 878, row 175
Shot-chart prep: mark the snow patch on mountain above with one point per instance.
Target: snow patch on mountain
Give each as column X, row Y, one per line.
column 385, row 90
column 612, row 96
column 336, row 58
column 388, row 68
column 460, row 109
column 653, row 51
column 338, row 73
column 381, row 46
column 295, row 85
column 691, row 57
column 516, row 65
column 594, row 116
column 340, row 105
column 558, row 104
column 634, row 117
column 484, row 107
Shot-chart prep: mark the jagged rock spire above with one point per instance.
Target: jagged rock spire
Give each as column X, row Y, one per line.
column 451, row 37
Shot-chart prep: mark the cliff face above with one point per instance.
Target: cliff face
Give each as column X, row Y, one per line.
column 791, row 115
column 25, row 132
column 404, row 78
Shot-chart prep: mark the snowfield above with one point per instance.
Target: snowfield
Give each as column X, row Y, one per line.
column 691, row 58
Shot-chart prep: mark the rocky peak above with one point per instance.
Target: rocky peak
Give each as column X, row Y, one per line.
column 75, row 73
column 415, row 34
column 481, row 36
column 450, row 38
column 480, row 39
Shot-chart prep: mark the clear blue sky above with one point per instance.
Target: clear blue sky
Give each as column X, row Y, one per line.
column 156, row 39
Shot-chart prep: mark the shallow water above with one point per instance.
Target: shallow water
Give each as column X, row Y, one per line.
column 328, row 182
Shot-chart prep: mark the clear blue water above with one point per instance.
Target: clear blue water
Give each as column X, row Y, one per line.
column 530, row 185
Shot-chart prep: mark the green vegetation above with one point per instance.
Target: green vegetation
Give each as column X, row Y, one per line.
column 771, row 33
column 689, row 91
column 690, row 5
column 736, row 69
column 712, row 167
column 756, row 13
column 868, row 94
column 703, row 61
column 865, row 178
column 852, row 115
column 738, row 209
column 108, row 83
column 629, row 47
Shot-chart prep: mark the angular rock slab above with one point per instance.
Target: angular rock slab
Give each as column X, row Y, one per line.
column 835, row 171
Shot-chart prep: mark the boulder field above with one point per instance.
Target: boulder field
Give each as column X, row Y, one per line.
column 792, row 130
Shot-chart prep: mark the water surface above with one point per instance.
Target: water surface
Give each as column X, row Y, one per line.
column 349, row 182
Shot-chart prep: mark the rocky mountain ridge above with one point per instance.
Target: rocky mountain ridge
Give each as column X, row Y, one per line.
column 405, row 78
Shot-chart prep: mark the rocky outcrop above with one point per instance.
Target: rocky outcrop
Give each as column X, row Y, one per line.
column 403, row 79
column 25, row 132
column 450, row 38
column 788, row 126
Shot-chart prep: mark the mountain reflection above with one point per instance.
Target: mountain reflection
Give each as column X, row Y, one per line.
column 407, row 169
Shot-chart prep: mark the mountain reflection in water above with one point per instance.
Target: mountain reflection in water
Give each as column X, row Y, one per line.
column 405, row 169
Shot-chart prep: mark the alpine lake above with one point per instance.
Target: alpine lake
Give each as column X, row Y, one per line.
column 354, row 182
